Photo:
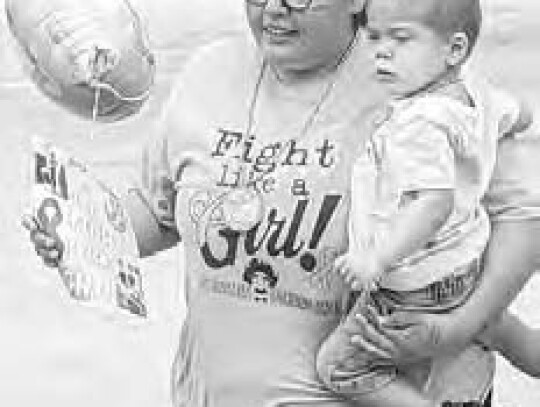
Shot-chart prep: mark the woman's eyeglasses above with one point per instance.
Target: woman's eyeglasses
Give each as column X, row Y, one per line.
column 296, row 5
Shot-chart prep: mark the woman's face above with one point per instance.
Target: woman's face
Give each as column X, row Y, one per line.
column 303, row 41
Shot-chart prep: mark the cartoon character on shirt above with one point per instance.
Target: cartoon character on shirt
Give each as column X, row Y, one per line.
column 262, row 279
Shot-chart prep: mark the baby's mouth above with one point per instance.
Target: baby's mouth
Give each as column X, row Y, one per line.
column 385, row 75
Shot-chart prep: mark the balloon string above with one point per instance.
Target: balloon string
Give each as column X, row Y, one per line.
column 98, row 86
column 95, row 110
column 105, row 86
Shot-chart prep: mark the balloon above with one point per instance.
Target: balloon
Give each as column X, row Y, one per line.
column 89, row 56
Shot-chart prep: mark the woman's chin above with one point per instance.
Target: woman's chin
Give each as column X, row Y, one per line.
column 285, row 58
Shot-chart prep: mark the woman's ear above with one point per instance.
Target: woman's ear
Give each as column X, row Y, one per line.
column 459, row 48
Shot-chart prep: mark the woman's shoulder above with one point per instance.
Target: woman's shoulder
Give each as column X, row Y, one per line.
column 214, row 66
column 230, row 54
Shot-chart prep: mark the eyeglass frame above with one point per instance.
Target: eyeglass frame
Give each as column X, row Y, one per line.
column 285, row 3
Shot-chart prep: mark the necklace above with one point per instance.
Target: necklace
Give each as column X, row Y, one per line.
column 243, row 206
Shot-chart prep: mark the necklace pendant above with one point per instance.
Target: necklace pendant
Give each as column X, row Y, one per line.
column 243, row 208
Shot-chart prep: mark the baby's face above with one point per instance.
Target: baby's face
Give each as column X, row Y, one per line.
column 407, row 54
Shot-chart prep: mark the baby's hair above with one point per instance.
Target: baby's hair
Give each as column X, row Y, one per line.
column 447, row 17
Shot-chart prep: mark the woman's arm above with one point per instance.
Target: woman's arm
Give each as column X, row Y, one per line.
column 409, row 337
column 517, row 342
column 151, row 207
column 152, row 236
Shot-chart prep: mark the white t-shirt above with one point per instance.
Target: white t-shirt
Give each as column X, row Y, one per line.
column 428, row 142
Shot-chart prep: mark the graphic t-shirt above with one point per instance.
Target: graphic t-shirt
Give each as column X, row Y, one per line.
column 261, row 300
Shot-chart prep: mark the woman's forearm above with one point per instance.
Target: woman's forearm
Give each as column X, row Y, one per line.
column 510, row 259
column 151, row 236
column 517, row 342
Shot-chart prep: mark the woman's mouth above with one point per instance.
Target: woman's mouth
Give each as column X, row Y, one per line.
column 279, row 33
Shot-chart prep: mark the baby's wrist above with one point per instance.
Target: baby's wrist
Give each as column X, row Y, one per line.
column 379, row 263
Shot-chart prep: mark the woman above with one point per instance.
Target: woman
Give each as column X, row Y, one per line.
column 258, row 139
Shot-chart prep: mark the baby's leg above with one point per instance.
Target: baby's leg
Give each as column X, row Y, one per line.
column 516, row 341
column 351, row 373
column 398, row 393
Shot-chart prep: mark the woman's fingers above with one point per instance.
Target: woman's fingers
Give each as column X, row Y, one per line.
column 29, row 223
column 416, row 336
column 369, row 348
column 48, row 254
column 45, row 246
column 370, row 340
column 43, row 241
column 51, row 257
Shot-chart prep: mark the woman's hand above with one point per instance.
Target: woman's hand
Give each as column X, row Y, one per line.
column 405, row 337
column 157, row 184
column 46, row 246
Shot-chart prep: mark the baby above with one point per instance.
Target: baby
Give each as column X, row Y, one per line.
column 417, row 229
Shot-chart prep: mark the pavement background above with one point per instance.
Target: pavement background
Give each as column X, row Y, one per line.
column 56, row 353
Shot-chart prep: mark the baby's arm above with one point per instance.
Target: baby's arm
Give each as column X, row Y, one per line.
column 425, row 212
column 419, row 219
column 517, row 342
column 414, row 225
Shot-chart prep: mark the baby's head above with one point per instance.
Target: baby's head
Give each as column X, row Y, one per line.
column 417, row 43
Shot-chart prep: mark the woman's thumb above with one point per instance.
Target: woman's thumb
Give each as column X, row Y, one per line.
column 29, row 222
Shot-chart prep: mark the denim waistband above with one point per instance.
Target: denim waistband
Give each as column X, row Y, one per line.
column 439, row 296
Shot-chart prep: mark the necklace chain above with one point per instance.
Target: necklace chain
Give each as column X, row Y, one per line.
column 309, row 121
column 243, row 207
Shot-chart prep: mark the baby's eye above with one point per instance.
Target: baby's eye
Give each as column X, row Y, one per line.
column 401, row 36
column 372, row 35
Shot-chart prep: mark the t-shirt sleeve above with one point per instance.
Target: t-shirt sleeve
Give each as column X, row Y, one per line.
column 501, row 108
column 514, row 191
column 508, row 109
column 422, row 157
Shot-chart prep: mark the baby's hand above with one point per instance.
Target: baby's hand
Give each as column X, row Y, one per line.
column 361, row 272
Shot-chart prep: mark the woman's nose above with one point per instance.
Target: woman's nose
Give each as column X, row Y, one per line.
column 276, row 6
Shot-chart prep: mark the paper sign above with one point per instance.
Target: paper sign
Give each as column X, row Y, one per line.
column 99, row 252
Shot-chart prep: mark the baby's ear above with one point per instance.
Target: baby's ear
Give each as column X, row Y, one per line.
column 458, row 49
